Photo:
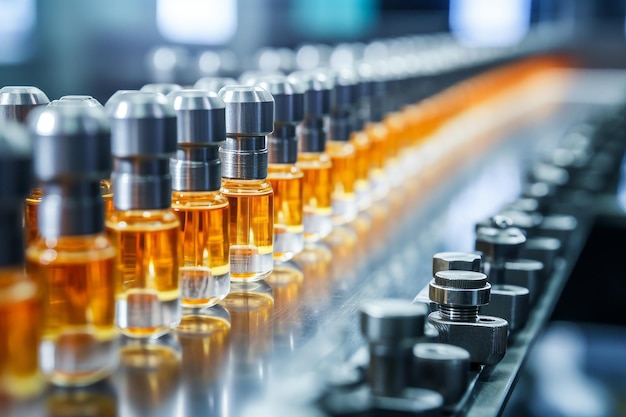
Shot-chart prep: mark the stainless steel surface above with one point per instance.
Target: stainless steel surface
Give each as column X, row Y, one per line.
column 143, row 137
column 442, row 368
column 71, row 154
column 17, row 101
column 249, row 118
column 288, row 93
column 317, row 95
column 201, row 128
column 278, row 347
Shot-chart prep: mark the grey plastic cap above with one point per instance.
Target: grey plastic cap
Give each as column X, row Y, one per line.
column 200, row 117
column 143, row 124
column 288, row 96
column 317, row 91
column 16, row 102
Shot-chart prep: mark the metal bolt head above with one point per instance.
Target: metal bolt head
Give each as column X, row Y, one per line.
column 497, row 243
column 463, row 261
column 17, row 101
column 392, row 321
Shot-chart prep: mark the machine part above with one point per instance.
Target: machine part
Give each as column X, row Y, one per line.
column 442, row 368
column 391, row 327
column 544, row 250
column 559, row 226
column 527, row 273
column 497, row 243
column 510, row 302
column 412, row 401
column 458, row 261
column 459, row 294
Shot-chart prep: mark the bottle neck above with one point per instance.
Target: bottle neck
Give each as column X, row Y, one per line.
column 196, row 169
column 141, row 184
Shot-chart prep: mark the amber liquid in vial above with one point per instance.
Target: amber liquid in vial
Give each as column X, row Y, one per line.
column 251, row 228
column 204, row 272
column 316, row 194
column 31, row 231
column 363, row 150
column 287, row 182
column 146, row 271
column 343, row 175
column 377, row 133
column 76, row 276
column 20, row 330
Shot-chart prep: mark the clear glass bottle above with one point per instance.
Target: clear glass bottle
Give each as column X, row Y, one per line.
column 20, row 295
column 73, row 258
column 283, row 175
column 312, row 157
column 249, row 118
column 203, row 212
column 142, row 226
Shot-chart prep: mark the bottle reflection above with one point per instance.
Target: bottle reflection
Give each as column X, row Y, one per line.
column 315, row 263
column 342, row 243
column 148, row 376
column 286, row 282
column 204, row 340
column 251, row 306
column 97, row 400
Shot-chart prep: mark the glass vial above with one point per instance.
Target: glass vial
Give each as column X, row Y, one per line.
column 249, row 118
column 285, row 177
column 202, row 210
column 312, row 157
column 341, row 150
column 20, row 296
column 142, row 226
column 73, row 258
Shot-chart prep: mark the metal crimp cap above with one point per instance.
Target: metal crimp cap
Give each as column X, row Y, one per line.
column 89, row 100
column 200, row 117
column 249, row 118
column 17, row 101
column 288, row 96
column 459, row 288
column 143, row 124
column 72, row 141
column 317, row 91
column 15, row 164
column 214, row 84
column 392, row 321
column 464, row 261
column 161, row 88
column 249, row 110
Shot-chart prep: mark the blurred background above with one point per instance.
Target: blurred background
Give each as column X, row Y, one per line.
column 94, row 47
